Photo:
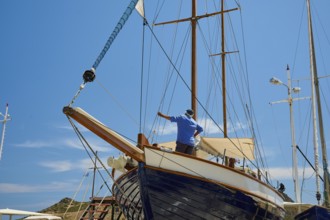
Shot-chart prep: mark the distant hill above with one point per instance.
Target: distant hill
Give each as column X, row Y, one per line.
column 62, row 206
column 74, row 210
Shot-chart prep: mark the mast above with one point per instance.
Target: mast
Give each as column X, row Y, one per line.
column 290, row 101
column 293, row 140
column 314, row 77
column 316, row 145
column 94, row 172
column 193, row 59
column 223, row 62
column 6, row 118
column 193, row 20
column 315, row 139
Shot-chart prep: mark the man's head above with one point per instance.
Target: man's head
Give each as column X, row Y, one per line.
column 189, row 113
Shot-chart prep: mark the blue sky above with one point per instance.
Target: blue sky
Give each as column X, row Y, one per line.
column 47, row 45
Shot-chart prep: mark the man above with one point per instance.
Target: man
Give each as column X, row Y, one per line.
column 188, row 129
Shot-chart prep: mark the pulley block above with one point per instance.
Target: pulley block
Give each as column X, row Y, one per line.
column 89, row 75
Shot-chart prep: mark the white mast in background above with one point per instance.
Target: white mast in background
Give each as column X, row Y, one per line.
column 6, row 117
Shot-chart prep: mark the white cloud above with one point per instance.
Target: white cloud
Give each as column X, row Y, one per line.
column 96, row 144
column 168, row 129
column 34, row 144
column 73, row 143
column 24, row 188
column 58, row 166
column 208, row 125
column 285, row 173
column 211, row 128
column 65, row 165
column 67, row 127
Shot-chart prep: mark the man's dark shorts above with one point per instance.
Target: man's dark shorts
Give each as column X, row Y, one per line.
column 184, row 148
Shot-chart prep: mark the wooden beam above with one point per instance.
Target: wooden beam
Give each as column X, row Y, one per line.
column 104, row 132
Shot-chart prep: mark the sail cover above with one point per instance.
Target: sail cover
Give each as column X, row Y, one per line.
column 230, row 147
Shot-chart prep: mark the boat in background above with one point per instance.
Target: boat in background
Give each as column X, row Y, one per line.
column 43, row 217
column 297, row 209
column 314, row 213
column 159, row 183
column 33, row 215
column 317, row 212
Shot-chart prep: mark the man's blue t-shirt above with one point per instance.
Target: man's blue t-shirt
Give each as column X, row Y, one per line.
column 186, row 129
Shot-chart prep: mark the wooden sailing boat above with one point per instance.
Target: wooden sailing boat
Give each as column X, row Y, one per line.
column 164, row 184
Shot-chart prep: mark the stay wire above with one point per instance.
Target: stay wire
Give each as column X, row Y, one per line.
column 297, row 42
column 83, row 199
column 82, row 140
column 249, row 112
column 252, row 116
column 182, row 50
column 75, row 194
column 84, row 143
column 142, row 76
column 117, row 102
column 326, row 104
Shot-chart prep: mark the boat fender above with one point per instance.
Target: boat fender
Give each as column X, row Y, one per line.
column 118, row 163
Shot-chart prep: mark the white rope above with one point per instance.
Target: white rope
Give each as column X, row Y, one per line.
column 74, row 196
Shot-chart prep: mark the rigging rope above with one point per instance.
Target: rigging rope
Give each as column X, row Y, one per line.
column 209, row 51
column 142, row 68
column 81, row 203
column 117, row 102
column 75, row 194
column 198, row 101
column 168, row 79
column 83, row 140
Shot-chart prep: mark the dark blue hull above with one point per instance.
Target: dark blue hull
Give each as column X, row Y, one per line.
column 162, row 195
column 314, row 213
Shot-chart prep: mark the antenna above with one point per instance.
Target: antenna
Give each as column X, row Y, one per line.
column 6, row 117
